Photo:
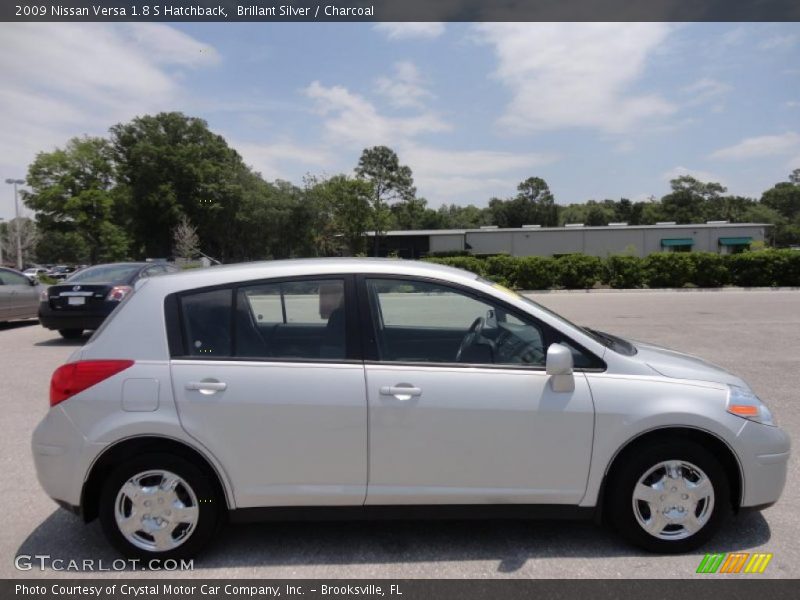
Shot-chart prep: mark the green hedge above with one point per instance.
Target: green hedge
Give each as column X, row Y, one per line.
column 762, row 268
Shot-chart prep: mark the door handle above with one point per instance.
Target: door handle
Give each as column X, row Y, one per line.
column 401, row 391
column 210, row 386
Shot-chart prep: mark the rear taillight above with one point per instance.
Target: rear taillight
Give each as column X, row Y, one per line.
column 73, row 378
column 43, row 297
column 118, row 292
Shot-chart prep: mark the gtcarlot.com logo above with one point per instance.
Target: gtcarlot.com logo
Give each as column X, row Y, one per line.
column 734, row 562
column 42, row 562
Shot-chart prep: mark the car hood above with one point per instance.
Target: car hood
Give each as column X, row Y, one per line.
column 671, row 363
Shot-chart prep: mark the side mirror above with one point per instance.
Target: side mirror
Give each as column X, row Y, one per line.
column 33, row 280
column 559, row 367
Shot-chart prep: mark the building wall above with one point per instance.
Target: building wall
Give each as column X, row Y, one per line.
column 447, row 243
column 595, row 242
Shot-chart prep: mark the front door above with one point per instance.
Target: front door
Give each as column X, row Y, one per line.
column 268, row 383
column 460, row 407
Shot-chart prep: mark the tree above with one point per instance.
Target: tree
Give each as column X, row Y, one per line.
column 187, row 243
column 784, row 197
column 171, row 165
column 690, row 199
column 28, row 236
column 533, row 205
column 390, row 181
column 345, row 205
column 72, row 191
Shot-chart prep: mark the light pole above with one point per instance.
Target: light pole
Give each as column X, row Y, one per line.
column 1, row 247
column 15, row 183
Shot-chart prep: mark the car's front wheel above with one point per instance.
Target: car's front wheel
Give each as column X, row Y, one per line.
column 670, row 497
column 71, row 334
column 159, row 506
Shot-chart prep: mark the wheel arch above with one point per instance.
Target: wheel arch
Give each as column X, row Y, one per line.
column 123, row 449
column 712, row 442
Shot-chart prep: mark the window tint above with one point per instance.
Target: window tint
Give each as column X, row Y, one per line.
column 105, row 274
column 207, row 323
column 424, row 322
column 298, row 319
column 11, row 278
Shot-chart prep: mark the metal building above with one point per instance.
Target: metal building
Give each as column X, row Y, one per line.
column 616, row 238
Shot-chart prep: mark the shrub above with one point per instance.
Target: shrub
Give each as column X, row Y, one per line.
column 710, row 270
column 503, row 269
column 468, row 263
column 578, row 271
column 536, row 273
column 623, row 272
column 789, row 273
column 761, row 268
column 668, row 269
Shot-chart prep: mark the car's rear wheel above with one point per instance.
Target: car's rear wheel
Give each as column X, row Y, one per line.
column 70, row 334
column 159, row 506
column 671, row 497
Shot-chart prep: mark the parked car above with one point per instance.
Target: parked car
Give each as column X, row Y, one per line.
column 87, row 297
column 19, row 295
column 35, row 272
column 61, row 272
column 383, row 387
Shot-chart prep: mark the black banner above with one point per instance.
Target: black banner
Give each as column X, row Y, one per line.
column 402, row 10
column 400, row 589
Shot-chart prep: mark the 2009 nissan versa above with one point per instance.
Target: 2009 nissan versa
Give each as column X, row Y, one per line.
column 383, row 387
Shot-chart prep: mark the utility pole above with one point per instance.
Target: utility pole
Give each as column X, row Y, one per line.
column 15, row 183
column 1, row 247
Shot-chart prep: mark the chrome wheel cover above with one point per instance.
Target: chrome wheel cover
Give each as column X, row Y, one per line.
column 156, row 510
column 673, row 500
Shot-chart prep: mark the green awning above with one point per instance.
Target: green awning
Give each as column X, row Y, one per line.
column 737, row 241
column 677, row 242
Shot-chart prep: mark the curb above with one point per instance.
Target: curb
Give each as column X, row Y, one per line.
column 657, row 290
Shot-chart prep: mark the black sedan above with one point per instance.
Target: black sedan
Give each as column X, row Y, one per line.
column 86, row 298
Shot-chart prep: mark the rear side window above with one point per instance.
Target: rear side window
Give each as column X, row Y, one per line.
column 207, row 323
column 276, row 320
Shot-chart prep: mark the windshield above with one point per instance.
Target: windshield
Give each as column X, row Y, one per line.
column 105, row 274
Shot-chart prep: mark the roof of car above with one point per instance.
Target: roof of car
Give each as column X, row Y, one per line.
column 220, row 275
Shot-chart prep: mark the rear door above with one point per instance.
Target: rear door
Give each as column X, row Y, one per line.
column 268, row 377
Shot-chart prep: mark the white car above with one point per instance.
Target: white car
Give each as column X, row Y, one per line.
column 382, row 387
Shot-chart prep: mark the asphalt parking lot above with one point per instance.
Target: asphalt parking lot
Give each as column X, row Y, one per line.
column 755, row 334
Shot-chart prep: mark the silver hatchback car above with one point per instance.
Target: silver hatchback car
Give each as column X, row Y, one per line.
column 364, row 387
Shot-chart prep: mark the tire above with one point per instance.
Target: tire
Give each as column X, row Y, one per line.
column 184, row 518
column 681, row 515
column 71, row 334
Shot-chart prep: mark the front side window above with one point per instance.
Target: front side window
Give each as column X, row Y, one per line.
column 419, row 321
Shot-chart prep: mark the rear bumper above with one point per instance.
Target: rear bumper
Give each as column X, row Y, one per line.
column 62, row 319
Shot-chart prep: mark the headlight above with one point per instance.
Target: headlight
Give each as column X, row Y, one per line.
column 742, row 402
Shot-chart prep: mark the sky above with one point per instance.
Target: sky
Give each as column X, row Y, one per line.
column 597, row 110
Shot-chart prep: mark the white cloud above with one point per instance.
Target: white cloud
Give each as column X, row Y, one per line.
column 67, row 79
column 779, row 42
column 756, row 147
column 576, row 74
column 405, row 88
column 271, row 159
column 406, row 31
column 351, row 119
column 706, row 89
column 792, row 104
column 704, row 176
column 467, row 176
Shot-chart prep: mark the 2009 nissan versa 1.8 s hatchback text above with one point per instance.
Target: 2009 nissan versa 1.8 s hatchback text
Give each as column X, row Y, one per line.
column 383, row 387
